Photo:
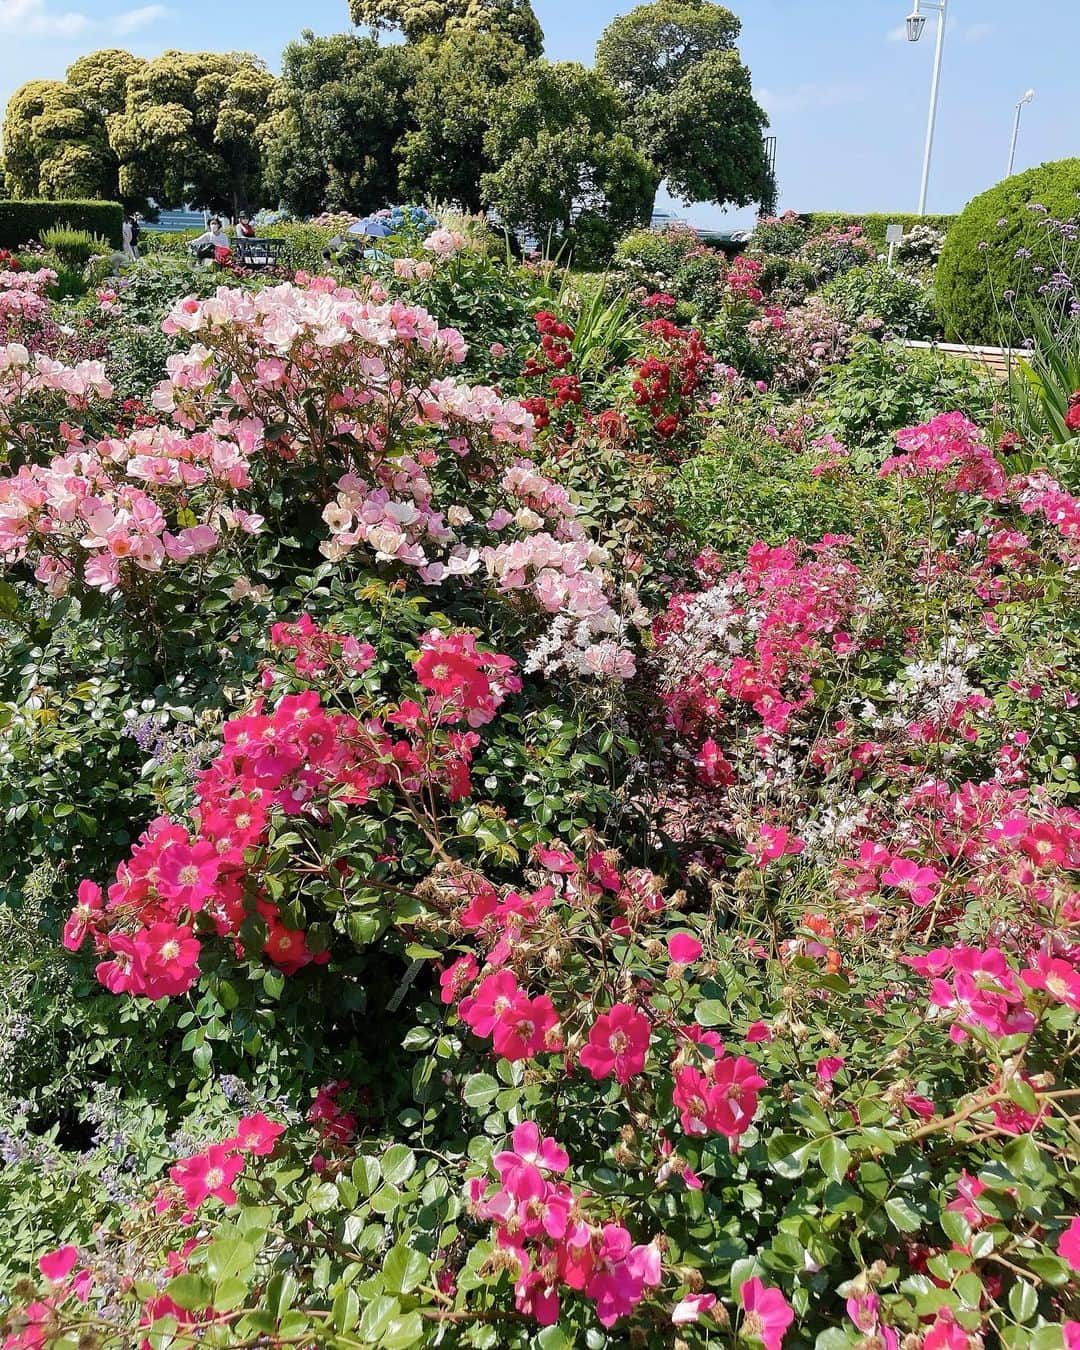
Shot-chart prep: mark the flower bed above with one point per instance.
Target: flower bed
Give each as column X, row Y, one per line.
column 475, row 903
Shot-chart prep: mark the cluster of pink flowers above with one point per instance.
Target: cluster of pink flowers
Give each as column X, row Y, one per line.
column 975, row 988
column 289, row 760
column 22, row 298
column 80, row 516
column 755, row 636
column 542, row 1225
column 948, row 444
column 377, row 366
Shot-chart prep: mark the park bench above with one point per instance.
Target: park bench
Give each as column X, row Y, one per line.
column 259, row 252
column 999, row 361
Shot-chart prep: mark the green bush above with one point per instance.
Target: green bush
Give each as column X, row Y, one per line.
column 21, row 221
column 742, row 489
column 986, row 291
column 875, row 224
column 885, row 386
column 905, row 308
column 74, row 248
column 675, row 261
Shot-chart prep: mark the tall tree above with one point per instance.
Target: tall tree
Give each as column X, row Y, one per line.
column 55, row 144
column 339, row 113
column 692, row 108
column 561, row 161
column 189, row 127
column 101, row 78
column 459, row 78
column 419, row 19
column 650, row 49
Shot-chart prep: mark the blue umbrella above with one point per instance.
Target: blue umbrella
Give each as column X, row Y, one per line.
column 373, row 226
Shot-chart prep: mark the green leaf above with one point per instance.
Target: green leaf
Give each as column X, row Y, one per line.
column 902, row 1215
column 229, row 1256
column 398, row 1164
column 790, row 1154
column 346, row 1311
column 1023, row 1301
column 712, row 1012
column 404, row 1269
column 835, row 1158
column 480, row 1090
column 193, row 1293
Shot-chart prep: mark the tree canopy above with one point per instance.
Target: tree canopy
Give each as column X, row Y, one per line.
column 419, row 19
column 562, row 161
column 189, row 128
column 442, row 155
column 55, row 144
column 339, row 114
column 690, row 100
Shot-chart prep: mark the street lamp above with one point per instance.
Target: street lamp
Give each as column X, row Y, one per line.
column 1016, row 130
column 916, row 22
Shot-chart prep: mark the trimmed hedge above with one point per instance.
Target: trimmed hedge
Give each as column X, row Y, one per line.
column 875, row 225
column 979, row 262
column 21, row 221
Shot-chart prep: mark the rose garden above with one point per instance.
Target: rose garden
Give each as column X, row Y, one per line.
column 539, row 788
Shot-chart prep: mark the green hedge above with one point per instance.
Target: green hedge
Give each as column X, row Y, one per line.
column 875, row 225
column 1000, row 253
column 305, row 242
column 21, row 221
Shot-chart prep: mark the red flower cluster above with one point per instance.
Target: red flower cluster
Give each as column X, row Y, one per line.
column 665, row 382
column 742, row 279
column 291, row 761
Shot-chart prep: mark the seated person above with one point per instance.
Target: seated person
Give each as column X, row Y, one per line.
column 207, row 243
column 244, row 227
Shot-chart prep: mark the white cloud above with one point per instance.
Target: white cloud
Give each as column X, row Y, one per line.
column 30, row 18
column 134, row 19
column 810, row 96
column 34, row 18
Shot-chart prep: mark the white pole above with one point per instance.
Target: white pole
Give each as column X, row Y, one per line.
column 1015, row 137
column 935, row 85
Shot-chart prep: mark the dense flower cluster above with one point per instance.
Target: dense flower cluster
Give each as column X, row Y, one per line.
column 292, row 759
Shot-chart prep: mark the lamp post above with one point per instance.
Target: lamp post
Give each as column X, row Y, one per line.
column 1016, row 130
column 916, row 22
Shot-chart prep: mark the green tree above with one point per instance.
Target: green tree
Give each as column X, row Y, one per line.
column 55, row 144
column 459, row 80
column 189, row 129
column 562, row 163
column 339, row 114
column 692, row 108
column 419, row 19
column 649, row 50
column 101, row 78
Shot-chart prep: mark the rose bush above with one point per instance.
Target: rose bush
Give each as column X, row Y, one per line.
column 496, row 918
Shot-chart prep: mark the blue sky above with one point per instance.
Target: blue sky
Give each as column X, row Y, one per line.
column 846, row 94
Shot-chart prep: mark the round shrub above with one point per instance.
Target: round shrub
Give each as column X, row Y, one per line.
column 1001, row 252
column 897, row 304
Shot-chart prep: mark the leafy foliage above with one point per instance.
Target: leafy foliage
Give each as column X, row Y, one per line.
column 1002, row 250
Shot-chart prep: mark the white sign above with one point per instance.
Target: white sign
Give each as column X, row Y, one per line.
column 894, row 234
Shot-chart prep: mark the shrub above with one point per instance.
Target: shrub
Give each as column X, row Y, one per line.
column 885, row 386
column 1003, row 251
column 897, row 304
column 673, row 261
column 744, row 488
column 21, row 221
column 874, row 226
column 74, row 248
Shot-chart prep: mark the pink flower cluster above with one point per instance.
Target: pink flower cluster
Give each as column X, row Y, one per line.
column 950, row 445
column 78, row 516
column 22, row 297
column 974, row 988
column 755, row 637
column 542, row 1225
column 289, row 760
